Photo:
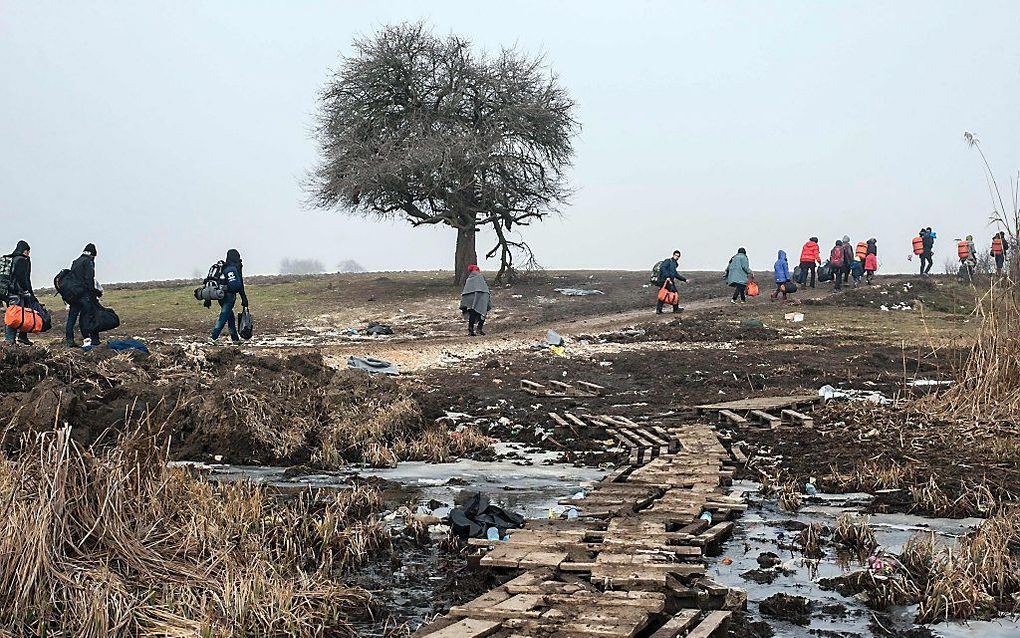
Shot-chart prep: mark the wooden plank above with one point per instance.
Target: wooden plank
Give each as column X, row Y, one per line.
column 765, row 417
column 536, row 389
column 467, row 628
column 731, row 417
column 710, row 624
column 760, row 403
column 677, row 624
column 792, row 416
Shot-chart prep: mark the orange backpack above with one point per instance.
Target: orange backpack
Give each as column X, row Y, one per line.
column 918, row 245
column 997, row 246
column 963, row 250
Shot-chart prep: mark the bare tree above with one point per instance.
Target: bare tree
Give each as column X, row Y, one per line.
column 422, row 127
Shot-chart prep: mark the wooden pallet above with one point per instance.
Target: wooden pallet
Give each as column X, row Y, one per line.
column 558, row 389
column 635, row 551
column 765, row 404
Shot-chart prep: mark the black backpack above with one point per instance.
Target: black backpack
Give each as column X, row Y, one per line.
column 6, row 270
column 214, row 286
column 215, row 273
column 68, row 286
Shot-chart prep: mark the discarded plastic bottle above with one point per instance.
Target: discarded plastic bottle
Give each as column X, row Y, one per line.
column 810, row 489
column 492, row 534
column 572, row 514
column 706, row 516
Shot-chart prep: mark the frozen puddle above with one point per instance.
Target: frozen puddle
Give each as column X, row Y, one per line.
column 531, row 485
column 764, row 528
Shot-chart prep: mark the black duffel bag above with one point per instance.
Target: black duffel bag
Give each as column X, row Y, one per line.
column 102, row 320
column 245, row 325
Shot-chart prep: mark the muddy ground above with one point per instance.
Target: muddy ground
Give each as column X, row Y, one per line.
column 286, row 399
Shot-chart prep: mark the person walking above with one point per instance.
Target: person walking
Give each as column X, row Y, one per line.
column 85, row 309
column 19, row 287
column 848, row 259
column 475, row 300
column 927, row 250
column 968, row 256
column 836, row 257
column 810, row 257
column 871, row 260
column 782, row 272
column 999, row 249
column 233, row 281
column 738, row 273
column 668, row 276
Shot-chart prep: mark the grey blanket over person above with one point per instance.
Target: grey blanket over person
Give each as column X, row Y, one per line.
column 475, row 295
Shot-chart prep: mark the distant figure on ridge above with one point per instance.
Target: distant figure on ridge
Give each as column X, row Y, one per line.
column 810, row 257
column 738, row 273
column 475, row 300
column 668, row 276
column 999, row 249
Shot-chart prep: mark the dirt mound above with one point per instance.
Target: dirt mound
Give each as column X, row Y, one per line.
column 795, row 609
column 708, row 328
column 935, row 295
column 224, row 405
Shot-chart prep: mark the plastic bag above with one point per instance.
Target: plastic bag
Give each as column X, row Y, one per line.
column 245, row 325
column 752, row 288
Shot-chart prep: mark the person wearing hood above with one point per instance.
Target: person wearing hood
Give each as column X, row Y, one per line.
column 83, row 270
column 871, row 260
column 233, row 280
column 848, row 259
column 836, row 258
column 782, row 270
column 810, row 258
column 668, row 276
column 738, row 273
column 475, row 300
column 19, row 290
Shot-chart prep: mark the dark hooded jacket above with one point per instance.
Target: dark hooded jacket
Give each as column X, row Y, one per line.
column 872, row 247
column 232, row 275
column 927, row 242
column 21, row 273
column 83, row 269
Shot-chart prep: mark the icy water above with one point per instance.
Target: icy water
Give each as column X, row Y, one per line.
column 763, row 528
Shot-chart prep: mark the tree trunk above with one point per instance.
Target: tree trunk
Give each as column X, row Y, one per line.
column 466, row 254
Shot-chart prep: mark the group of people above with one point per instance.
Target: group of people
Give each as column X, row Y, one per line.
column 967, row 252
column 846, row 262
column 83, row 310
column 83, row 303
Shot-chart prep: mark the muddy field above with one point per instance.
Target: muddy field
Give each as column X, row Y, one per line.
column 286, row 400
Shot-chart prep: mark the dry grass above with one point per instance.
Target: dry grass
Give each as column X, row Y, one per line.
column 112, row 542
column 855, row 533
column 789, row 498
column 810, row 539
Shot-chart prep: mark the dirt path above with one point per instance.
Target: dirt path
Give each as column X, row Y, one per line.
column 415, row 355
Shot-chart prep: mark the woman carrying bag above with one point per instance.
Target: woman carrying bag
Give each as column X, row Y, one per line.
column 738, row 274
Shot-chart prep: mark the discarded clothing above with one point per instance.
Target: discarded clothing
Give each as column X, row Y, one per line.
column 372, row 366
column 474, row 518
column 127, row 344
column 578, row 292
column 378, row 329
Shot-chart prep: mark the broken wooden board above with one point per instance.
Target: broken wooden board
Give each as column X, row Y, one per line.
column 560, row 389
column 761, row 403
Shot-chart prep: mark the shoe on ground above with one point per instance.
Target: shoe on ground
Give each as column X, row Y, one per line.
column 23, row 339
column 213, row 342
column 481, row 332
column 235, row 342
column 71, row 344
column 733, row 301
column 677, row 311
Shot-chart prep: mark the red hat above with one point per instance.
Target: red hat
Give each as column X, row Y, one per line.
column 474, row 268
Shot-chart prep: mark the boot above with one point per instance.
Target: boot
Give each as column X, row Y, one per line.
column 481, row 325
column 23, row 339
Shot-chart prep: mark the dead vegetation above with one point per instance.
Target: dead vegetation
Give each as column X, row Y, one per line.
column 229, row 405
column 110, row 541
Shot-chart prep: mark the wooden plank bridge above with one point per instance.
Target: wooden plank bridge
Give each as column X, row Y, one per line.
column 631, row 563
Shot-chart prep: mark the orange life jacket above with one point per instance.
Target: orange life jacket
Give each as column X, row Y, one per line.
column 963, row 250
column 862, row 250
column 997, row 246
column 918, row 245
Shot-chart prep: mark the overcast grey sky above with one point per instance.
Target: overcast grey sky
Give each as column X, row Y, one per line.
column 167, row 132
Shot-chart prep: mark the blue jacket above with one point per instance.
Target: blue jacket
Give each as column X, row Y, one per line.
column 782, row 268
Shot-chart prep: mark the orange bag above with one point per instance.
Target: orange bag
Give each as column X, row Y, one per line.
column 23, row 319
column 667, row 296
column 752, row 288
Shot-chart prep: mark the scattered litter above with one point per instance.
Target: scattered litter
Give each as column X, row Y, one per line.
column 553, row 339
column 477, row 516
column 795, row 317
column 578, row 292
column 558, row 350
column 828, row 393
column 517, row 296
column 810, row 489
column 372, row 366
column 633, row 333
column 928, row 382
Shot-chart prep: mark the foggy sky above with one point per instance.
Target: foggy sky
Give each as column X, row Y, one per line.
column 167, row 132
